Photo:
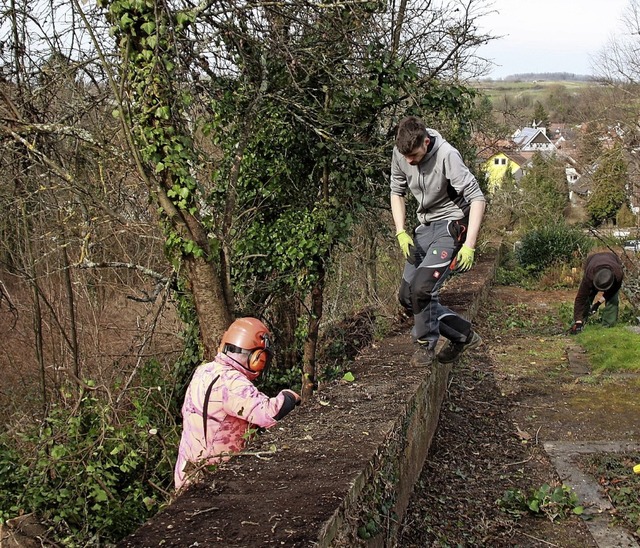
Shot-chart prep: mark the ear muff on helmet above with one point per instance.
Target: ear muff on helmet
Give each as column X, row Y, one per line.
column 260, row 358
column 249, row 336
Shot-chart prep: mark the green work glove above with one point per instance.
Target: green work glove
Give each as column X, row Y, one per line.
column 406, row 243
column 465, row 258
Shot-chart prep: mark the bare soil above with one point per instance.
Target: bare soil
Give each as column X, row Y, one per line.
column 505, row 399
column 490, row 435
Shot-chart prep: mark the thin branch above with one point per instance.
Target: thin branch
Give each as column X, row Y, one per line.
column 140, row 354
column 539, row 540
column 117, row 264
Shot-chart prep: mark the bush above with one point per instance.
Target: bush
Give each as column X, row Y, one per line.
column 559, row 276
column 546, row 246
column 511, row 273
column 87, row 475
column 552, row 501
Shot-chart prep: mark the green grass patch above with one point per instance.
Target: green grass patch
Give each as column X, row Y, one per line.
column 611, row 349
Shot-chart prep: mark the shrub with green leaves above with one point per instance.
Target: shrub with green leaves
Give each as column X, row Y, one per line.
column 549, row 245
column 88, row 475
column 510, row 272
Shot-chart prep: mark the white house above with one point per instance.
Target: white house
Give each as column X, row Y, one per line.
column 532, row 139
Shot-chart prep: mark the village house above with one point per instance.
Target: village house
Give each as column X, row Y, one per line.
column 515, row 155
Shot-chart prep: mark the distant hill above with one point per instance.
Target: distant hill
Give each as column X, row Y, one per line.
column 543, row 76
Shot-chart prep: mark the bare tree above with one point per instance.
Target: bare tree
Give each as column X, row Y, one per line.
column 618, row 61
column 68, row 200
column 618, row 66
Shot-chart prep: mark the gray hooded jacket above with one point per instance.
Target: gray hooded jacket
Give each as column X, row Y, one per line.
column 442, row 183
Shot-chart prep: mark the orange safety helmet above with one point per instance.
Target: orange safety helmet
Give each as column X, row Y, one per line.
column 248, row 336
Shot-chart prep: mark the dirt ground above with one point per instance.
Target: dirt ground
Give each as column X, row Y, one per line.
column 528, row 385
column 491, row 431
column 505, row 399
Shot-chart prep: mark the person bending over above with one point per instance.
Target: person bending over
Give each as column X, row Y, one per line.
column 602, row 273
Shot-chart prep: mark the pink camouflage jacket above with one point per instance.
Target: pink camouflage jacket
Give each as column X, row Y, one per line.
column 234, row 405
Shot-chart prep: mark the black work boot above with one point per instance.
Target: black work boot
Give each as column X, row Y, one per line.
column 424, row 355
column 452, row 351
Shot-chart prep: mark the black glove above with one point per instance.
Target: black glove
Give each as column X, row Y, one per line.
column 291, row 400
column 594, row 307
column 575, row 328
column 294, row 397
column 411, row 259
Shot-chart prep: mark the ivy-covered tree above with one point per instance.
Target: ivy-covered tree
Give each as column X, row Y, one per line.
column 298, row 125
column 543, row 192
column 610, row 179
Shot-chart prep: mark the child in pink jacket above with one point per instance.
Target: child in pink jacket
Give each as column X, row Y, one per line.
column 221, row 402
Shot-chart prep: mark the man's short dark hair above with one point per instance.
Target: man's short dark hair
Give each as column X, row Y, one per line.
column 410, row 135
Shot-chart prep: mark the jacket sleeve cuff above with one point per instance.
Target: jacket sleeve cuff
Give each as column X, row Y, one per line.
column 287, row 406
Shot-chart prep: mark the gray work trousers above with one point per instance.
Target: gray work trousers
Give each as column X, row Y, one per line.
column 436, row 245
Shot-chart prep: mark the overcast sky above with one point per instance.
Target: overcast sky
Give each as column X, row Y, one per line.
column 549, row 35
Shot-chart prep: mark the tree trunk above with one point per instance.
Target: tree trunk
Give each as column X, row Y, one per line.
column 311, row 343
column 214, row 314
column 397, row 25
column 371, row 262
column 72, row 312
column 37, row 313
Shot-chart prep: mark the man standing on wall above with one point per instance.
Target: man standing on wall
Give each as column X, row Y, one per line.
column 450, row 210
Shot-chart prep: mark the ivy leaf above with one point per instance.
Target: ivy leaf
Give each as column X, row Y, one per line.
column 183, row 18
column 149, row 502
column 149, row 27
column 125, row 21
column 100, row 495
column 163, row 112
column 58, row 451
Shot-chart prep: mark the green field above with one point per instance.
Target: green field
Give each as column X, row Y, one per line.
column 535, row 89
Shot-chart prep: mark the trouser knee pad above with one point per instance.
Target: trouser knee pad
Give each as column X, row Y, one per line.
column 422, row 289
